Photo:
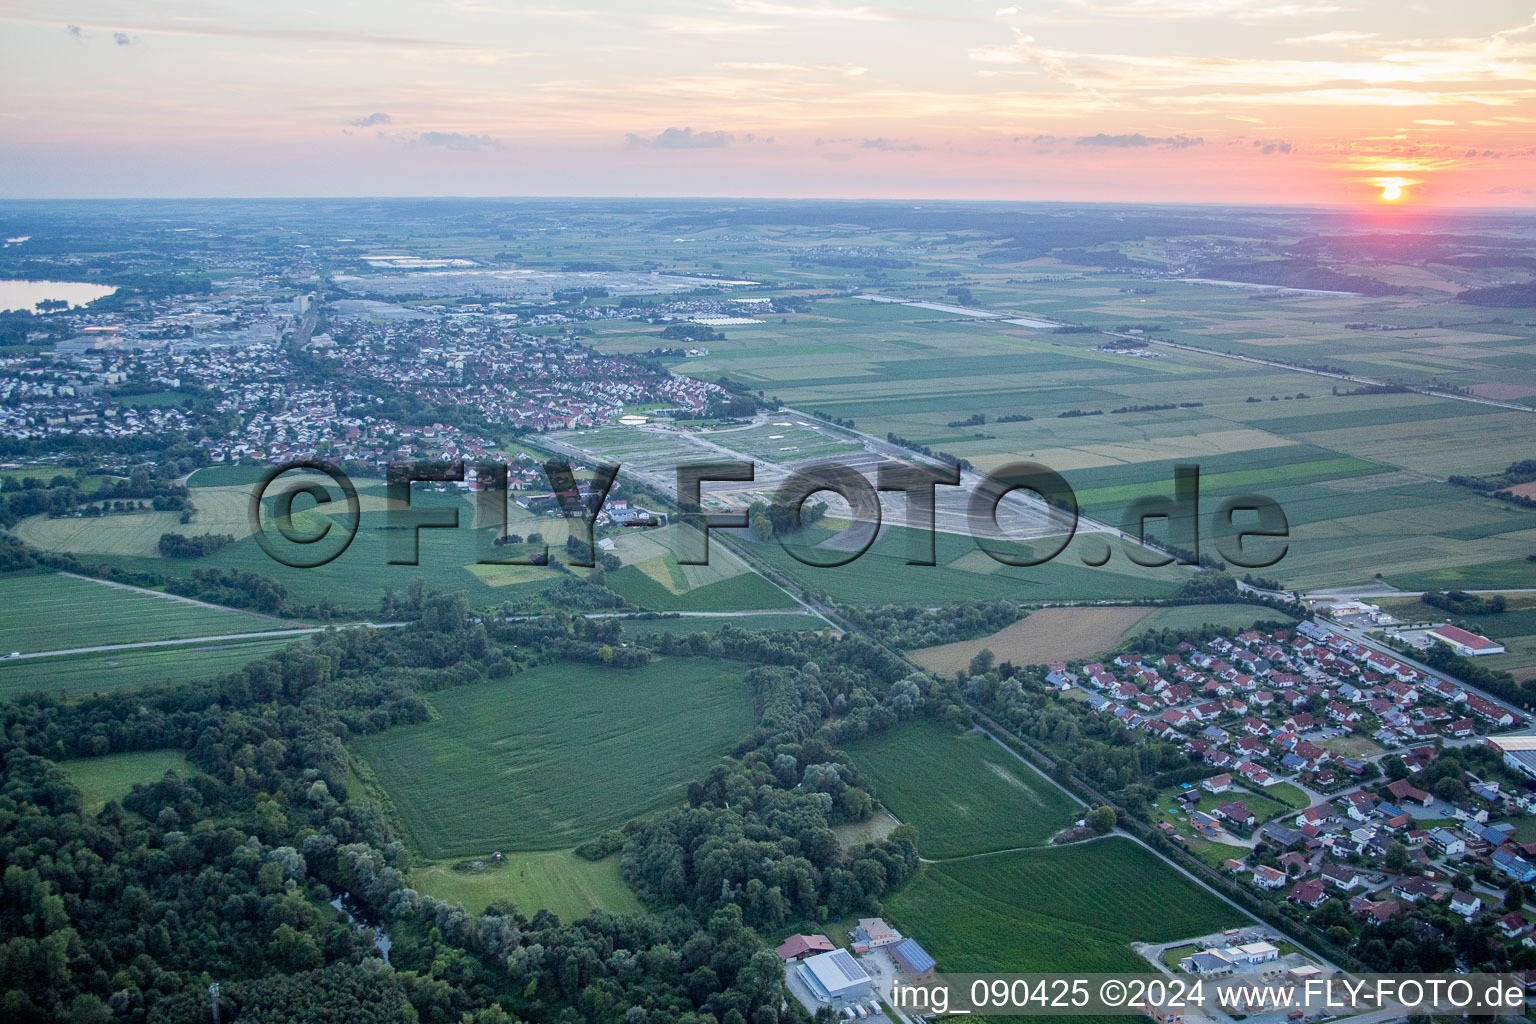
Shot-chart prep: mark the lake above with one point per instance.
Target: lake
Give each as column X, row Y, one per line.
column 27, row 294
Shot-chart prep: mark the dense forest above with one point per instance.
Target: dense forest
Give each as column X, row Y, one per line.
column 129, row 911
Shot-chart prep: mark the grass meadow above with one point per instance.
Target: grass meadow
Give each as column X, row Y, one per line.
column 547, row 758
column 555, row 880
column 113, row 776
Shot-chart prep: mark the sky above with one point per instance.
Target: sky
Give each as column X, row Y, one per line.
column 1248, row 101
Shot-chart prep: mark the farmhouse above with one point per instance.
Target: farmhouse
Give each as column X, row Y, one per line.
column 1237, row 813
column 1515, row 867
column 835, row 977
column 1404, row 791
column 872, row 933
column 1267, row 877
column 1210, row 961
column 1465, row 903
column 1464, row 643
column 798, row 947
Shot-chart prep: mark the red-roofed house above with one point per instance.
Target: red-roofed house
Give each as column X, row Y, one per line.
column 798, row 947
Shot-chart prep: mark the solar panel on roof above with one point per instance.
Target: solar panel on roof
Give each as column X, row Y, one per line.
column 845, row 963
column 914, row 956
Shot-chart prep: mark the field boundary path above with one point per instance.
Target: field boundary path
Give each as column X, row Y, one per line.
column 195, row 640
column 1336, row 375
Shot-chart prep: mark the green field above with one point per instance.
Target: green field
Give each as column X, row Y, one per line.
column 547, row 758
column 77, row 675
column 745, row 592
column 1070, row 908
column 1290, row 795
column 49, row 611
column 113, row 776
column 966, row 794
column 555, row 880
column 689, row 624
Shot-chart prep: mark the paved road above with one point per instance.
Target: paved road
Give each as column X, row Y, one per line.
column 1350, row 595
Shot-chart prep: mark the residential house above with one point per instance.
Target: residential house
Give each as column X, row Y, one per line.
column 1267, row 877
column 1465, row 903
column 1415, row 889
column 1309, row 893
column 1448, row 842
column 1514, row 867
column 1217, row 783
column 1341, row 876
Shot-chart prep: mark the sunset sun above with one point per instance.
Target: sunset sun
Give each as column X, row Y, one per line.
column 1391, row 191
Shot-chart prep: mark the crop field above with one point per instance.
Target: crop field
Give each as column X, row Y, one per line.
column 652, row 577
column 1070, row 908
column 966, row 794
column 1047, row 635
column 746, row 592
column 1234, row 617
column 78, row 675
column 964, row 572
column 49, row 611
column 1360, row 477
column 554, row 880
column 547, row 758
column 113, row 776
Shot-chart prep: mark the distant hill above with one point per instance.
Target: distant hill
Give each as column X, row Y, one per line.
column 1502, row 295
column 1297, row 273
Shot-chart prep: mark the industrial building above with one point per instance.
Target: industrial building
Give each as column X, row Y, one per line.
column 912, row 959
column 1519, row 752
column 835, row 977
column 1464, row 643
